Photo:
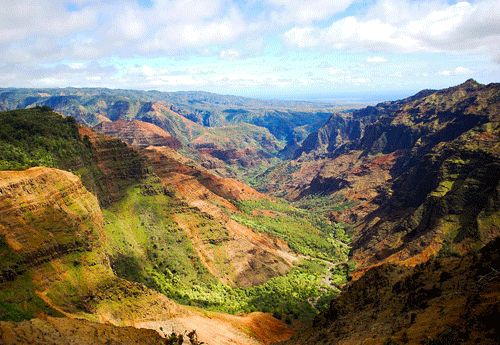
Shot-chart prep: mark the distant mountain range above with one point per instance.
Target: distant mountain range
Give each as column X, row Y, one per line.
column 387, row 216
column 193, row 118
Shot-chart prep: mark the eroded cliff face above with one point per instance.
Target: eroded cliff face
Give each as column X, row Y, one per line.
column 419, row 175
column 53, row 254
column 234, row 253
column 115, row 167
column 34, row 201
column 445, row 189
column 54, row 262
column 52, row 233
column 138, row 133
column 450, row 300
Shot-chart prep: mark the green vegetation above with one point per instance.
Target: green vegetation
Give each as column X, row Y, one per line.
column 447, row 250
column 40, row 137
column 285, row 295
column 147, row 246
column 322, row 203
column 145, row 242
column 13, row 297
column 307, row 232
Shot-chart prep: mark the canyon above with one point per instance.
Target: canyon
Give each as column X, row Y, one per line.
column 385, row 216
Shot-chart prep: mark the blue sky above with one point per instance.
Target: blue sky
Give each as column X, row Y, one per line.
column 300, row 49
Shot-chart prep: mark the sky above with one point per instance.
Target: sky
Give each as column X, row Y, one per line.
column 288, row 49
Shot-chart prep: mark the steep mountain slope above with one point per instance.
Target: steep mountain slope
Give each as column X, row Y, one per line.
column 253, row 131
column 138, row 133
column 450, row 300
column 40, row 137
column 54, row 261
column 168, row 225
column 92, row 106
column 53, row 252
column 197, row 203
column 415, row 176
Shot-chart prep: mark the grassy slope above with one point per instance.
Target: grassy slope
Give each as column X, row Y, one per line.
column 39, row 137
column 147, row 246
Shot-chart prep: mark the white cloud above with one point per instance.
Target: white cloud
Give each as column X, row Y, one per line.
column 128, row 25
column 85, row 48
column 76, row 65
column 347, row 79
column 58, row 75
column 21, row 19
column 336, row 71
column 301, row 37
column 457, row 71
column 185, row 11
column 148, row 71
column 376, row 59
column 197, row 34
column 305, row 11
column 249, row 80
column 291, row 42
column 409, row 27
column 52, row 82
column 229, row 54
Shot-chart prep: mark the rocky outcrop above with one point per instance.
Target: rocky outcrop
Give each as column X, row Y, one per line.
column 138, row 133
column 445, row 192
column 48, row 218
column 338, row 130
column 450, row 300
column 32, row 200
column 64, row 331
column 418, row 175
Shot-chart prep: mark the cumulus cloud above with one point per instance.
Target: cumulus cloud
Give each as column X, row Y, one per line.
column 376, row 59
column 21, row 19
column 397, row 74
column 128, row 25
column 336, row 71
column 58, row 75
column 343, row 77
column 197, row 34
column 305, row 11
column 408, row 27
column 300, row 42
column 351, row 34
column 349, row 79
column 229, row 54
column 460, row 70
column 175, row 80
